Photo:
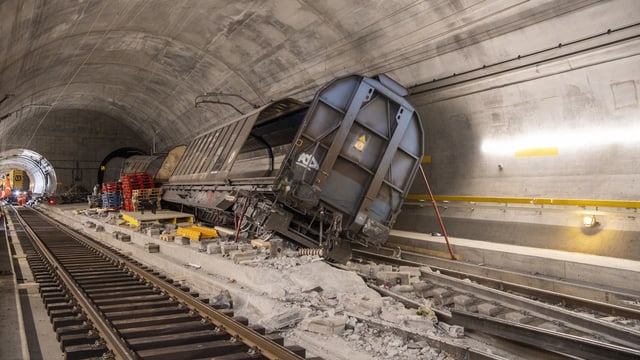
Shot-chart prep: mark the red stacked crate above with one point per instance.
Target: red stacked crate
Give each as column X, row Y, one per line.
column 134, row 181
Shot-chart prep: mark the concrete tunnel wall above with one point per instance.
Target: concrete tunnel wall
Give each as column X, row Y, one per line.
column 573, row 135
column 561, row 126
column 584, row 145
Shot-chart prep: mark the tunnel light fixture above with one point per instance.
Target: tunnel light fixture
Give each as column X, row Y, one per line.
column 554, row 142
column 589, row 221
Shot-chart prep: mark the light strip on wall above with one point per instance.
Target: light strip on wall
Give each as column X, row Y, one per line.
column 554, row 142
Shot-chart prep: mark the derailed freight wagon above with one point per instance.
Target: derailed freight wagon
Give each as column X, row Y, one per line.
column 323, row 174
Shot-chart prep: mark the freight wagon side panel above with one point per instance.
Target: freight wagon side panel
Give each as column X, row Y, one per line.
column 358, row 152
column 208, row 158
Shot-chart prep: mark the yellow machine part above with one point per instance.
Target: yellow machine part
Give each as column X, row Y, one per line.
column 197, row 233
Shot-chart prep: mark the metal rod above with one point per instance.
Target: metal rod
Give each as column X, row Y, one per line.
column 435, row 207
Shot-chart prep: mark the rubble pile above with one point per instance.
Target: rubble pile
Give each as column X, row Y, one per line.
column 300, row 296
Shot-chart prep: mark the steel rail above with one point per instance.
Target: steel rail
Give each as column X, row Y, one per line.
column 250, row 337
column 112, row 340
column 609, row 331
column 617, row 334
column 541, row 338
column 556, row 290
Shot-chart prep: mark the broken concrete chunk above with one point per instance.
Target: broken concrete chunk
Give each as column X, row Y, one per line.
column 518, row 317
column 226, row 248
column 412, row 270
column 453, row 330
column 181, row 240
column 489, row 309
column 152, row 248
column 393, row 277
column 465, row 303
column 333, row 325
column 239, row 255
column 213, row 248
column 222, row 301
column 153, row 232
column 362, row 305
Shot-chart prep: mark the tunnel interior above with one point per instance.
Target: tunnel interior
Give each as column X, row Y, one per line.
column 41, row 174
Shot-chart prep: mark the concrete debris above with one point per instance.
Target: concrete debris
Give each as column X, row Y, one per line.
column 222, row 301
column 274, row 286
column 227, row 247
column 465, row 303
column 285, row 319
column 372, row 336
column 392, row 310
column 421, row 288
column 328, row 326
column 152, row 248
column 259, row 243
column 393, row 277
column 453, row 330
column 489, row 309
column 214, row 248
column 441, row 295
column 239, row 255
column 413, row 271
column 202, row 245
column 153, row 232
column 362, row 304
column 121, row 236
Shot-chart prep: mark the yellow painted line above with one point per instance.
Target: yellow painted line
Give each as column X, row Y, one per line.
column 426, row 159
column 550, row 151
column 130, row 220
column 532, row 201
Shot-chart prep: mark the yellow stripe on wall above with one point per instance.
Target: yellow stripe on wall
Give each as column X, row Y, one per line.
column 426, row 159
column 533, row 201
column 550, row 151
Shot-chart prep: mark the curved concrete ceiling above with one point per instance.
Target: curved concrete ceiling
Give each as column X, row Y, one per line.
column 144, row 62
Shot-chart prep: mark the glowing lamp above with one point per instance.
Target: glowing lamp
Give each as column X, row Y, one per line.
column 589, row 221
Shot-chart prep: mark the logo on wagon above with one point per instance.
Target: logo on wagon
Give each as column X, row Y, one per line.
column 307, row 161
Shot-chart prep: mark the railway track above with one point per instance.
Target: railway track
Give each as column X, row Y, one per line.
column 103, row 304
column 498, row 311
column 487, row 315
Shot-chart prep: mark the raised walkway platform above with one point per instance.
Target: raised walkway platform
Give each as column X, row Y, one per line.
column 587, row 268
